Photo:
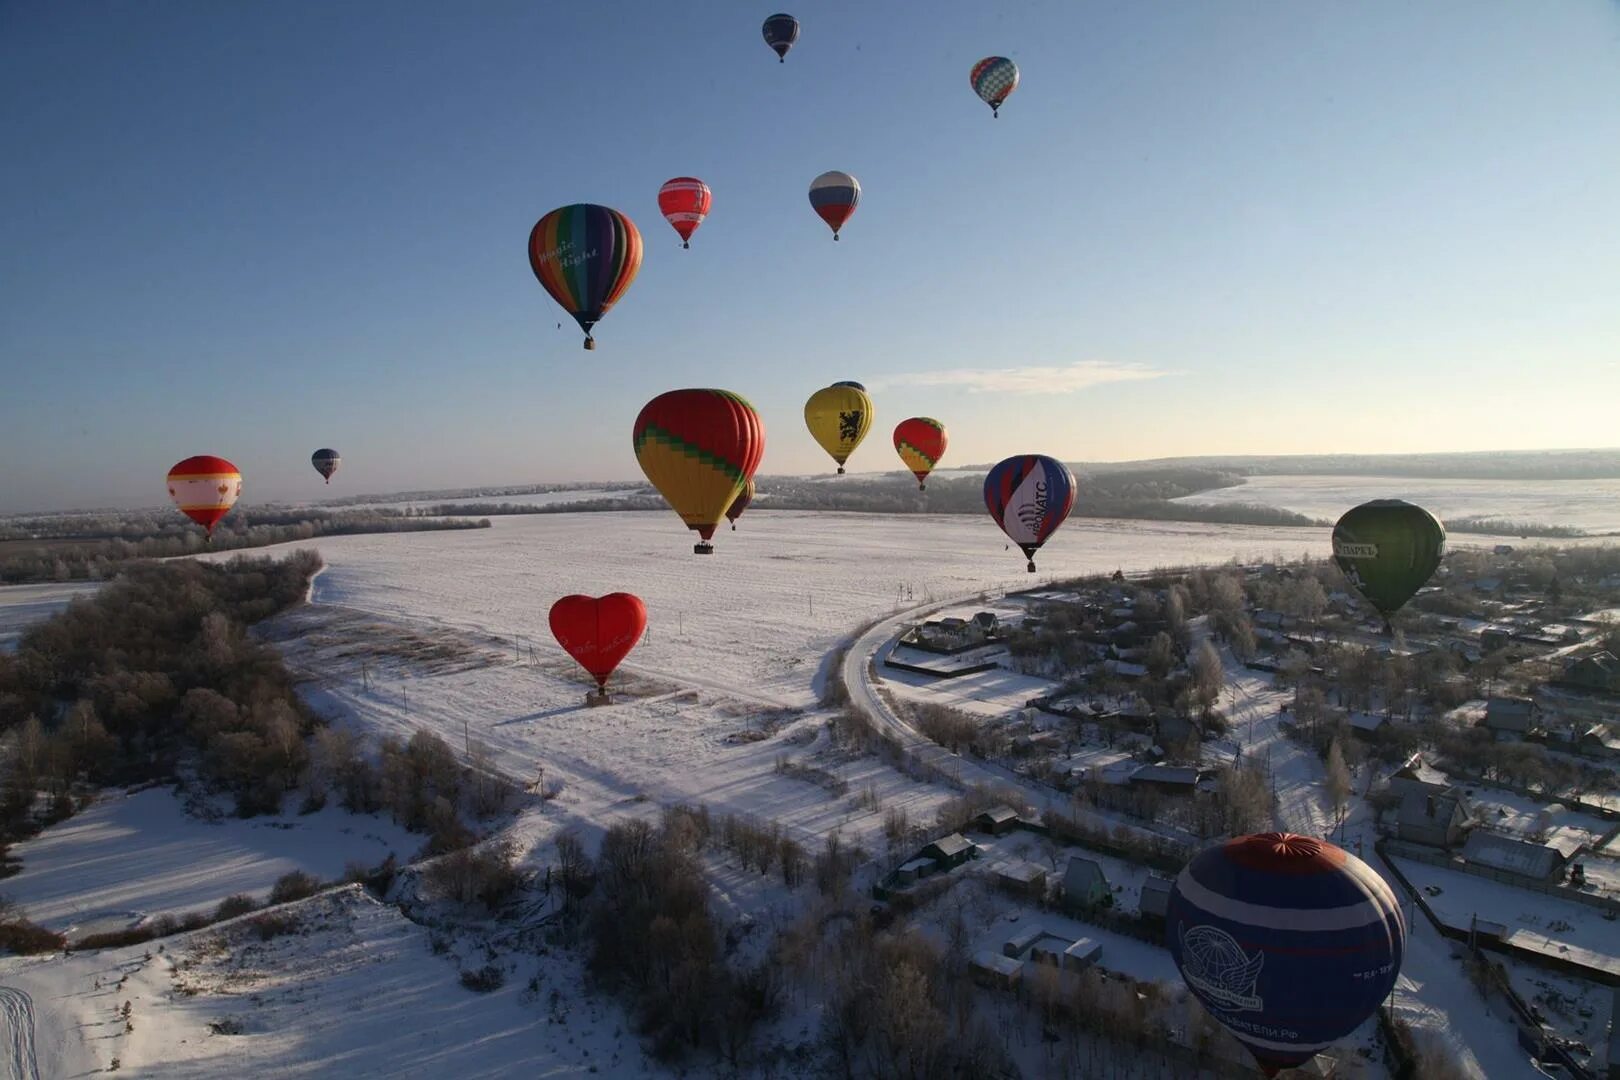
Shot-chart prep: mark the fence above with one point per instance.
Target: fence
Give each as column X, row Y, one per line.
column 1506, row 877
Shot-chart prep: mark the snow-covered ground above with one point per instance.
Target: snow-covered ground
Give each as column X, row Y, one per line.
column 24, row 604
column 131, row 857
column 1591, row 505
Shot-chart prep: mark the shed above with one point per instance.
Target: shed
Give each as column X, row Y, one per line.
column 1023, row 878
column 996, row 820
column 1174, row 778
column 913, row 871
column 1082, row 954
column 1049, row 950
column 1155, row 902
column 1084, row 883
column 1015, row 945
column 1521, row 858
column 986, row 621
column 949, row 851
column 996, row 972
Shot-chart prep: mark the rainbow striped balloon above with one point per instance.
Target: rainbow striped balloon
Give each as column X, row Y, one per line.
column 1289, row 941
column 585, row 256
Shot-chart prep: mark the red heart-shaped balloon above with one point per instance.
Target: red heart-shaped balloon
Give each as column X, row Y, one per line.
column 599, row 631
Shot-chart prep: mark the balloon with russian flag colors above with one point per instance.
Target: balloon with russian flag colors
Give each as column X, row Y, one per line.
column 205, row 488
column 1290, row 942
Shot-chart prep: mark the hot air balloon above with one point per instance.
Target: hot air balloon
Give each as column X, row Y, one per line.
column 834, row 195
column 585, row 256
column 699, row 448
column 326, row 462
column 1290, row 942
column 781, row 31
column 839, row 416
column 684, row 202
column 599, row 632
column 1029, row 496
column 851, row 382
column 740, row 503
column 994, row 79
column 920, row 442
column 205, row 488
column 1387, row 549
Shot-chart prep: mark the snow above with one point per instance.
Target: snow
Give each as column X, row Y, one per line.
column 133, row 856
column 24, row 604
column 1582, row 504
column 1510, row 812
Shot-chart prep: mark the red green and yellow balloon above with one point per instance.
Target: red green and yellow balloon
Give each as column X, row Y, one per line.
column 585, row 256
column 205, row 488
column 839, row 416
column 920, row 442
column 699, row 448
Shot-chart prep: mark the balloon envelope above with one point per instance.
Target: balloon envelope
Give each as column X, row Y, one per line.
column 599, row 631
column 1388, row 549
column 834, row 196
column 994, row 79
column 326, row 462
column 1289, row 941
column 740, row 503
column 699, row 448
column 839, row 417
column 920, row 442
column 585, row 256
column 684, row 202
column 205, row 488
column 1029, row 496
column 781, row 31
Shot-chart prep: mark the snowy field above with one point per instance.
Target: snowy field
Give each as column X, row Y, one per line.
column 541, row 498
column 130, row 857
column 24, row 604
column 1590, row 505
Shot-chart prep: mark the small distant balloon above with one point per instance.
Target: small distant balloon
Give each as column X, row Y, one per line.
column 920, row 442
column 326, row 462
column 205, row 488
column 684, row 202
column 1388, row 549
column 781, row 31
column 585, row 256
column 740, row 503
column 1029, row 496
column 834, row 196
column 994, row 79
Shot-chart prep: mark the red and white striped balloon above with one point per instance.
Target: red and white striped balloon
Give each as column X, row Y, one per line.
column 684, row 202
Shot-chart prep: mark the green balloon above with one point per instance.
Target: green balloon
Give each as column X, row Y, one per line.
column 1388, row 549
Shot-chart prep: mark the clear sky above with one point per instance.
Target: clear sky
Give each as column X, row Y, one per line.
column 1207, row 226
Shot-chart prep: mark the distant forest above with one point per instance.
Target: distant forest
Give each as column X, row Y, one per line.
column 87, row 546
column 1481, row 465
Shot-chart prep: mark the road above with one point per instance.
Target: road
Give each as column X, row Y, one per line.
column 17, row 1008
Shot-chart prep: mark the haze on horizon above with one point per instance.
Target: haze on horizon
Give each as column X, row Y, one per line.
column 257, row 229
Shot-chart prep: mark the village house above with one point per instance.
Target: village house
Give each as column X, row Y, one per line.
column 1600, row 671
column 1435, row 820
column 1170, row 779
column 996, row 820
column 1022, row 878
column 949, row 852
column 1085, row 886
column 1518, row 858
column 1510, row 718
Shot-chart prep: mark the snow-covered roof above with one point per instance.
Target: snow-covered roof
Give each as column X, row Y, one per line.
column 1418, row 808
column 1165, row 774
column 1000, row 814
column 1514, row 856
column 950, row 846
column 1083, row 876
column 1366, row 721
column 1021, row 871
column 1001, row 965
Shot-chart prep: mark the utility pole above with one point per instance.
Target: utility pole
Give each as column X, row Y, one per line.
column 466, row 737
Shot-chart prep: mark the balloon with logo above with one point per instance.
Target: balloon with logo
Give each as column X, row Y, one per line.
column 834, row 196
column 781, row 31
column 1288, row 941
column 994, row 79
column 585, row 256
column 1029, row 496
column 740, row 503
column 920, row 442
column 205, row 488
column 699, row 448
column 839, row 416
column 684, row 202
column 326, row 462
column 599, row 632
column 1388, row 549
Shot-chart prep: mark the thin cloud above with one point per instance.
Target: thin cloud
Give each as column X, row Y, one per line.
column 1057, row 379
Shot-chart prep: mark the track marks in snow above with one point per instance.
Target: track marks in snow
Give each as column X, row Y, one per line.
column 18, row 1010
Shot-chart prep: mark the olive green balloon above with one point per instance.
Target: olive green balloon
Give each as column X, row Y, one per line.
column 1388, row 549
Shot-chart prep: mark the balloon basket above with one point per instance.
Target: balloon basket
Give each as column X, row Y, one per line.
column 597, row 697
column 840, row 470
column 921, row 486
column 685, row 245
column 705, row 548
column 1030, row 569
column 590, row 343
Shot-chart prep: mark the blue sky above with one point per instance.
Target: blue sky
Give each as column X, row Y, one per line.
column 253, row 229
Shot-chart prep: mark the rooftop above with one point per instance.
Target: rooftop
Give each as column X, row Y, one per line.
column 1514, row 856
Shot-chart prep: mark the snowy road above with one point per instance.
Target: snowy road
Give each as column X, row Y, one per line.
column 18, row 1010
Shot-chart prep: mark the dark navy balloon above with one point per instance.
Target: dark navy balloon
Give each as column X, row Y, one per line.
column 781, row 31
column 1289, row 941
column 326, row 462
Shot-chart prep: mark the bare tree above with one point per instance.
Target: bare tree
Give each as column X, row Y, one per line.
column 1338, row 779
